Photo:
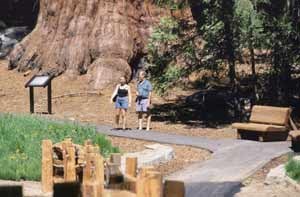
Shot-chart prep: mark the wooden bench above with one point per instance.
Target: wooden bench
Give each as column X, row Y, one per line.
column 266, row 124
column 295, row 136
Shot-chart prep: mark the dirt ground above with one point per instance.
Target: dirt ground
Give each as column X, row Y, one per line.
column 71, row 100
column 254, row 185
column 184, row 155
column 74, row 100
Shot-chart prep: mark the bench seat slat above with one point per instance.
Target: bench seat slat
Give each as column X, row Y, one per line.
column 259, row 127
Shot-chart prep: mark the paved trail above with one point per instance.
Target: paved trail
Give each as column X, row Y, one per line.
column 232, row 160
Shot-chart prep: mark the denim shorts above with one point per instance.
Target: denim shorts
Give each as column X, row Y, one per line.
column 142, row 105
column 121, row 102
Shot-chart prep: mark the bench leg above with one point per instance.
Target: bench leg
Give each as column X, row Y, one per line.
column 295, row 145
column 262, row 136
column 238, row 135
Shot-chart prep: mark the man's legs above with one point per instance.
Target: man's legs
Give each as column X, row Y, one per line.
column 148, row 120
column 140, row 117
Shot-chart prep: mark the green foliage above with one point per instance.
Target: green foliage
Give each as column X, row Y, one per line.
column 172, row 4
column 228, row 29
column 168, row 79
column 163, row 73
column 292, row 169
column 163, row 34
column 281, row 27
column 20, row 143
column 250, row 24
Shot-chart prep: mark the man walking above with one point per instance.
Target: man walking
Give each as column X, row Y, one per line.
column 143, row 100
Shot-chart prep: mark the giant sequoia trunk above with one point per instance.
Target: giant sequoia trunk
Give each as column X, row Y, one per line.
column 97, row 37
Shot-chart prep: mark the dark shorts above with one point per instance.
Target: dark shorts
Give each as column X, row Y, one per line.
column 121, row 103
column 142, row 105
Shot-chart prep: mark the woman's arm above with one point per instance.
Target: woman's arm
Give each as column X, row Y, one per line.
column 114, row 93
column 129, row 95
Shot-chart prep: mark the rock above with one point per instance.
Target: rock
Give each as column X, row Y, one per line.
column 297, row 158
column 154, row 154
column 9, row 38
column 276, row 176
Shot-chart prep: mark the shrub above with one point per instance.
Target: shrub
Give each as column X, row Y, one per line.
column 20, row 143
column 292, row 169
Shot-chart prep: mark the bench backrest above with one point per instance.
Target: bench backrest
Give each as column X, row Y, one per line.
column 270, row 115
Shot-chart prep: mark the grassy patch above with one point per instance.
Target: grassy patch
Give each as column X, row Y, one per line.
column 20, row 143
column 292, row 169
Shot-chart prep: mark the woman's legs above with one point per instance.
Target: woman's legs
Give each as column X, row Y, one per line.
column 124, row 112
column 117, row 118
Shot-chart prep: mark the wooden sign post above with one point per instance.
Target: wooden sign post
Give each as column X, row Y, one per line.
column 40, row 81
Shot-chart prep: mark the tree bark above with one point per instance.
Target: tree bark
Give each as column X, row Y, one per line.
column 227, row 7
column 97, row 37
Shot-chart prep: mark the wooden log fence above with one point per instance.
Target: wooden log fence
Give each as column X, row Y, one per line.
column 66, row 162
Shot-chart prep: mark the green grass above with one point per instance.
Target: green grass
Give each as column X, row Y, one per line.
column 292, row 169
column 20, row 143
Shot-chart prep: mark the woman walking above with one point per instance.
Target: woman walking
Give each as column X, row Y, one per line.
column 122, row 98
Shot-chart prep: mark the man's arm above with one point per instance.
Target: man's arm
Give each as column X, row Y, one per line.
column 150, row 98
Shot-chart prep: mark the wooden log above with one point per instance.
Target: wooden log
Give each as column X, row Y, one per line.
column 141, row 185
column 47, row 166
column 70, row 164
column 131, row 166
column 93, row 173
column 154, row 186
column 131, row 170
column 146, row 169
column 99, row 172
column 69, row 160
column 174, row 189
column 91, row 190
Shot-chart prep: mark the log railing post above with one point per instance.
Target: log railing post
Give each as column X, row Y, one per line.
column 69, row 161
column 149, row 183
column 93, row 173
column 131, row 171
column 154, row 184
column 131, row 166
column 47, row 166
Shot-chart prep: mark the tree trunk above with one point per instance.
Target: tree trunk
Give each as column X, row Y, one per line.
column 228, row 19
column 97, row 37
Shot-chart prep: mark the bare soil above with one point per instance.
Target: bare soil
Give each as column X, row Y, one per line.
column 73, row 99
column 184, row 155
column 254, row 185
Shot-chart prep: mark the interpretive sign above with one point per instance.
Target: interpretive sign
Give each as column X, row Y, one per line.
column 39, row 81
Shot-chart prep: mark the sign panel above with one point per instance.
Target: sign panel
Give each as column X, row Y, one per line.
column 38, row 81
